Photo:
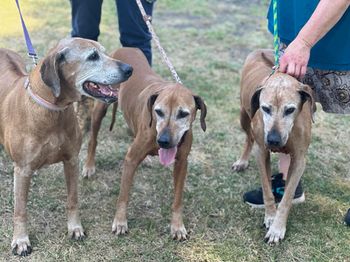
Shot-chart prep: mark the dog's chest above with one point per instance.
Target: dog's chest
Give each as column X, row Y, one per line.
column 54, row 144
column 58, row 147
column 52, row 148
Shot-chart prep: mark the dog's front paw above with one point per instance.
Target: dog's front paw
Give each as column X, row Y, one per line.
column 88, row 171
column 275, row 234
column 179, row 233
column 21, row 246
column 76, row 232
column 239, row 165
column 120, row 227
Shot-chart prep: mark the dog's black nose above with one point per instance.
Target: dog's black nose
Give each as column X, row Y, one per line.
column 126, row 69
column 164, row 139
column 274, row 138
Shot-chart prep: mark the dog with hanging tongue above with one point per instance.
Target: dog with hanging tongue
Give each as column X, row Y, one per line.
column 160, row 115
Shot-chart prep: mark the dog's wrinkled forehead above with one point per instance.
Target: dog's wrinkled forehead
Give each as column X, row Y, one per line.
column 78, row 47
column 280, row 90
column 80, row 43
column 176, row 96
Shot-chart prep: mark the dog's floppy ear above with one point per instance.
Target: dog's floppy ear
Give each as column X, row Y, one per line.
column 201, row 106
column 255, row 102
column 150, row 104
column 306, row 94
column 50, row 71
column 266, row 60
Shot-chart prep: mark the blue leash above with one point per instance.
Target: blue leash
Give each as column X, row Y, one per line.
column 30, row 48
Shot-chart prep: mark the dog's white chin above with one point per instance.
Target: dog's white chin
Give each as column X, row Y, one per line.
column 167, row 156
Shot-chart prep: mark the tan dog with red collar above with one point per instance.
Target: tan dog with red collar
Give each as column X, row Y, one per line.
column 160, row 116
column 276, row 113
column 38, row 125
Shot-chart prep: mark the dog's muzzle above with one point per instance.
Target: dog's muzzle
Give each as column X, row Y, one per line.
column 164, row 140
column 108, row 93
column 126, row 70
column 274, row 139
column 168, row 149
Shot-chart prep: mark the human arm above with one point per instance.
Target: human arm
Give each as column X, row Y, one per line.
column 296, row 56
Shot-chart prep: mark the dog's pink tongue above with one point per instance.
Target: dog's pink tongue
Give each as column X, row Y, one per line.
column 107, row 90
column 167, row 156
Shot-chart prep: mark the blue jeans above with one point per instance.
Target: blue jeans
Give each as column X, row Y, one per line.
column 86, row 17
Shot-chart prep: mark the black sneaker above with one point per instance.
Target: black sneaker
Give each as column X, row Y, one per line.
column 255, row 198
column 347, row 218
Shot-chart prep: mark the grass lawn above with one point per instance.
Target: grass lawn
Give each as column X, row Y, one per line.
column 207, row 40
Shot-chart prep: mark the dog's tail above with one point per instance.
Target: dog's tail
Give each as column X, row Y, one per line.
column 115, row 107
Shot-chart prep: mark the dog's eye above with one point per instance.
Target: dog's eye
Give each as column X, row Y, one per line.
column 182, row 114
column 289, row 111
column 159, row 112
column 94, row 56
column 266, row 109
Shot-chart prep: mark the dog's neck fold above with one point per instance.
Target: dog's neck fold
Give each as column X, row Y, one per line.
column 40, row 100
column 42, row 94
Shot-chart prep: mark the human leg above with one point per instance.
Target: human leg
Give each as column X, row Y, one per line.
column 133, row 29
column 86, row 17
column 283, row 164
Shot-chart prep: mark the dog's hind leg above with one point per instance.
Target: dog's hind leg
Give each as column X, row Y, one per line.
column 135, row 155
column 20, row 242
column 71, row 172
column 242, row 163
column 98, row 114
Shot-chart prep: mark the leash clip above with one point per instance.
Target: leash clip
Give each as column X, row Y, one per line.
column 147, row 18
column 34, row 57
column 274, row 69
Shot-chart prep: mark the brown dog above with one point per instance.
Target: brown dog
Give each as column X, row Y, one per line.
column 37, row 121
column 160, row 115
column 276, row 113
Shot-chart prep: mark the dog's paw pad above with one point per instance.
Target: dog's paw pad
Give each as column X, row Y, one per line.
column 274, row 235
column 239, row 166
column 88, row 172
column 120, row 228
column 179, row 234
column 21, row 247
column 78, row 234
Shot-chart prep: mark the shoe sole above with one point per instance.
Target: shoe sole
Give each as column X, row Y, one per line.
column 295, row 201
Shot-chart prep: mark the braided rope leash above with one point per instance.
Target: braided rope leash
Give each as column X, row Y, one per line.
column 276, row 42
column 165, row 58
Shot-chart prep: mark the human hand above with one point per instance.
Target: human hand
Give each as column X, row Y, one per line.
column 295, row 58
